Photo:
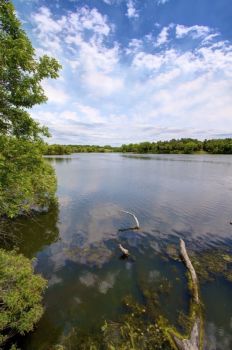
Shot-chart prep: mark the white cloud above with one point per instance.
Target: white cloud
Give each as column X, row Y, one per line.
column 162, row 2
column 80, row 35
column 55, row 93
column 47, row 29
column 209, row 38
column 163, row 36
column 108, row 2
column 70, row 28
column 90, row 19
column 195, row 31
column 131, row 10
column 102, row 84
column 149, row 61
column 133, row 46
column 91, row 114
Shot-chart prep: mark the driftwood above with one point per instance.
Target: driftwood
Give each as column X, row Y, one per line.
column 191, row 269
column 124, row 251
column 193, row 343
column 194, row 340
column 136, row 221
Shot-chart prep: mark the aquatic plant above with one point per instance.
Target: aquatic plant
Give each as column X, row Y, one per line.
column 212, row 263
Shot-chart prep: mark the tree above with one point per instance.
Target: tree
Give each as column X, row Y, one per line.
column 20, row 295
column 26, row 180
column 20, row 77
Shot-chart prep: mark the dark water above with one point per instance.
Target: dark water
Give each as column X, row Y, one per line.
column 75, row 245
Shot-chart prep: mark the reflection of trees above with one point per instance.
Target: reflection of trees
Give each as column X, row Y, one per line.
column 30, row 234
column 58, row 159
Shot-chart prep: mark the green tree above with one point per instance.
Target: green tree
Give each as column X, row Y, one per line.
column 26, row 180
column 20, row 77
column 20, row 295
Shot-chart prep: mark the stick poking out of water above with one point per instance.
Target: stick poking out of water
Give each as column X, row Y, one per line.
column 135, row 218
column 124, row 251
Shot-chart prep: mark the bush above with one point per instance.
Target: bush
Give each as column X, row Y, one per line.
column 20, row 295
column 27, row 181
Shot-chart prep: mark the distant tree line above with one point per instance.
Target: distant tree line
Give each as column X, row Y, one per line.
column 181, row 146
column 68, row 149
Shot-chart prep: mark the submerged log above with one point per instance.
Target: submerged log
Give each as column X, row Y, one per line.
column 193, row 342
column 135, row 218
column 191, row 269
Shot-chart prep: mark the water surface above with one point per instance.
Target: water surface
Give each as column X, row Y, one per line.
column 76, row 244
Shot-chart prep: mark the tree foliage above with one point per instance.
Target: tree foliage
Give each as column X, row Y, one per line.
column 20, row 77
column 185, row 146
column 26, row 180
column 20, row 295
column 218, row 146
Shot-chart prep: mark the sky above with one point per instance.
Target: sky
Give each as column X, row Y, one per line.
column 133, row 70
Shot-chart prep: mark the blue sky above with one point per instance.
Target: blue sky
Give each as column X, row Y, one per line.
column 134, row 70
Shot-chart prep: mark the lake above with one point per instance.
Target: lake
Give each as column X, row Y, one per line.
column 76, row 243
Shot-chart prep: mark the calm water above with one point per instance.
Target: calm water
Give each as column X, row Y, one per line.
column 75, row 245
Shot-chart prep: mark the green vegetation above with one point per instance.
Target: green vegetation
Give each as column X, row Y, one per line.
column 182, row 146
column 212, row 263
column 20, row 295
column 137, row 329
column 26, row 181
column 68, row 149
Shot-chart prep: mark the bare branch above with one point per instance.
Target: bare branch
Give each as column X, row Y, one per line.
column 135, row 218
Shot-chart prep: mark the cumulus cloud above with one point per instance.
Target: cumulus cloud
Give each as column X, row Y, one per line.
column 131, row 10
column 71, row 27
column 80, row 35
column 134, row 46
column 147, row 60
column 163, row 36
column 195, row 31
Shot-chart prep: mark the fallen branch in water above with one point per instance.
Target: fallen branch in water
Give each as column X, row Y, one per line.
column 194, row 341
column 191, row 269
column 135, row 218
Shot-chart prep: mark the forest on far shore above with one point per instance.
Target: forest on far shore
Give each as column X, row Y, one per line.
column 181, row 146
